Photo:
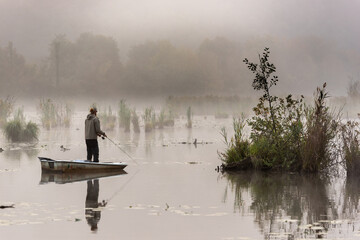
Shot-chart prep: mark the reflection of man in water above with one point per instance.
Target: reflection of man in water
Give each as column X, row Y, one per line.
column 92, row 217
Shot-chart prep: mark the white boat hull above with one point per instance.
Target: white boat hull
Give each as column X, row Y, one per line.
column 48, row 164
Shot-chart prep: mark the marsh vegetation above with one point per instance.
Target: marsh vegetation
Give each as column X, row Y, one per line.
column 285, row 133
column 6, row 107
column 54, row 114
column 18, row 130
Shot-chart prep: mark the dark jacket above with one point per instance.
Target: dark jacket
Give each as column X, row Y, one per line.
column 92, row 127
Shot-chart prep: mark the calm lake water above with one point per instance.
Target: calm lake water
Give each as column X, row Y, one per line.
column 173, row 192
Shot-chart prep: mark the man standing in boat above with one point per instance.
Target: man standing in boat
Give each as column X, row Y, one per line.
column 92, row 131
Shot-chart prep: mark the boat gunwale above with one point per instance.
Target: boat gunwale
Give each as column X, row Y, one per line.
column 42, row 159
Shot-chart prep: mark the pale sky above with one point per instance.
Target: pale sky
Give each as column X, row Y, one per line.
column 31, row 24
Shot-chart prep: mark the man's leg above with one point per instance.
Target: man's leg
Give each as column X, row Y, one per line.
column 96, row 152
column 89, row 150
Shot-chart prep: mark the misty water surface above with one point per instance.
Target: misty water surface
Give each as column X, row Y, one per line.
column 173, row 193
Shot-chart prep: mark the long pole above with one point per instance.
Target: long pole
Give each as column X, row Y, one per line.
column 122, row 150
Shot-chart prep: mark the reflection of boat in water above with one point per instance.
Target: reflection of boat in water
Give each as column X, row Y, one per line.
column 48, row 164
column 69, row 177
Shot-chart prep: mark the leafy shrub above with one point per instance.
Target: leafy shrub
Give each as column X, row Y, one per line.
column 285, row 133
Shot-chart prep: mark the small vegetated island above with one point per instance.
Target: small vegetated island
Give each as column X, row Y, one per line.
column 286, row 134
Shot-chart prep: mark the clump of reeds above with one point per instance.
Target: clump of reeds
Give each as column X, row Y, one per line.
column 161, row 119
column 6, row 107
column 237, row 153
column 189, row 117
column 123, row 109
column 124, row 114
column 127, row 119
column 18, row 130
column 149, row 119
column 108, row 119
column 350, row 132
column 49, row 113
column 319, row 149
column 135, row 121
column 65, row 115
column 169, row 118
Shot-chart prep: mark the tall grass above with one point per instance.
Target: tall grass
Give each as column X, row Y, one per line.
column 18, row 130
column 161, row 119
column 237, row 153
column 53, row 114
column 123, row 108
column 66, row 113
column 350, row 133
column 135, row 121
column 189, row 117
column 49, row 113
column 169, row 118
column 149, row 119
column 6, row 107
column 107, row 118
column 320, row 149
column 127, row 119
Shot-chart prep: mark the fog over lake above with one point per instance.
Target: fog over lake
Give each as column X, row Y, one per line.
column 172, row 90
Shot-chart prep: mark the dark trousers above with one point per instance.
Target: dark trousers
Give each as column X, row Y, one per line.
column 92, row 148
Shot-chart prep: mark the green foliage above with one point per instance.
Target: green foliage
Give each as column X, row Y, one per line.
column 238, row 148
column 277, row 140
column 264, row 80
column 285, row 133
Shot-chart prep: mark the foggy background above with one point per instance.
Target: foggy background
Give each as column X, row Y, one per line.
column 182, row 48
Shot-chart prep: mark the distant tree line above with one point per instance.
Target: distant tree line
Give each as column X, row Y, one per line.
column 92, row 65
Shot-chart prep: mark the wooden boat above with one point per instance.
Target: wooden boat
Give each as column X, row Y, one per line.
column 48, row 164
column 77, row 176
